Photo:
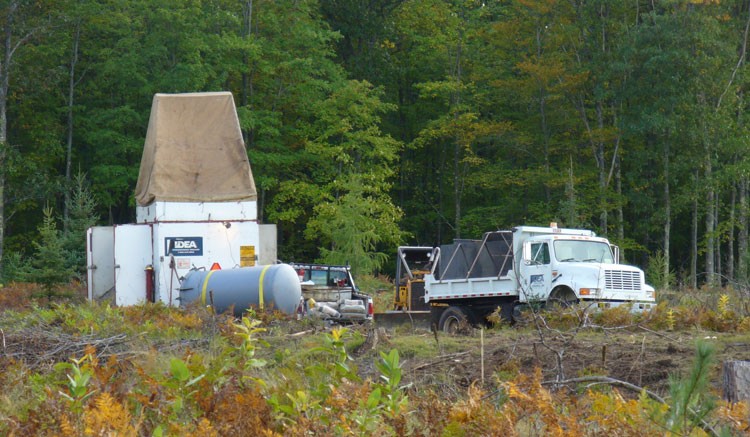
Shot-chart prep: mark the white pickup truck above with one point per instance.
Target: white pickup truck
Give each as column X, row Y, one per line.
column 530, row 264
column 329, row 293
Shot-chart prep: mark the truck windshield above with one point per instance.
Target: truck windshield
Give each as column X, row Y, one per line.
column 583, row 251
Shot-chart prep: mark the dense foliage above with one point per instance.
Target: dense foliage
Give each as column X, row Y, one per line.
column 370, row 124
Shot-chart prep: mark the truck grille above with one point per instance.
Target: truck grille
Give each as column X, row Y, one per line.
column 622, row 280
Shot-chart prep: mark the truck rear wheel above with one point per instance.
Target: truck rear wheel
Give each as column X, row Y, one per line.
column 453, row 320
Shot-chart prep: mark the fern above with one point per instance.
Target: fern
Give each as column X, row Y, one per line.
column 108, row 417
column 723, row 306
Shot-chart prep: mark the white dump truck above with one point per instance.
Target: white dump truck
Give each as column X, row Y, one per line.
column 527, row 264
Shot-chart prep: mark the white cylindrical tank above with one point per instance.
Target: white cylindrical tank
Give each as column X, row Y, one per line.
column 274, row 286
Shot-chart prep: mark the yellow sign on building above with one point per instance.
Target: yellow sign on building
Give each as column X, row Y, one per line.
column 247, row 256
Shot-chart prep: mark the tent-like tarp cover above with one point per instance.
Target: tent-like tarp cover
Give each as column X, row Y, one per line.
column 194, row 151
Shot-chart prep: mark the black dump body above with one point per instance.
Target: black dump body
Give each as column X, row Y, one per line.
column 492, row 256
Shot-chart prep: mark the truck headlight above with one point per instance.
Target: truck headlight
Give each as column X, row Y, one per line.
column 588, row 291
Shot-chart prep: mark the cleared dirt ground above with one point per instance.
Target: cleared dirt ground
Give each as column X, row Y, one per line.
column 635, row 355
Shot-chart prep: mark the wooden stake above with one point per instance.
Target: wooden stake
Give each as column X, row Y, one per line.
column 481, row 342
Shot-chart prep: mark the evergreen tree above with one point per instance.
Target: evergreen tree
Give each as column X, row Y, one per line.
column 358, row 227
column 48, row 266
column 81, row 216
column 355, row 216
column 691, row 400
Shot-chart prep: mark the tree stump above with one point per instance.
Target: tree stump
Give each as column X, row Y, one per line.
column 736, row 381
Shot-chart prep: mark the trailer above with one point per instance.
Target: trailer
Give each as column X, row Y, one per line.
column 550, row 266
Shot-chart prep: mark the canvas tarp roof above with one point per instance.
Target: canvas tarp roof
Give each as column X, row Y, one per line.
column 194, row 151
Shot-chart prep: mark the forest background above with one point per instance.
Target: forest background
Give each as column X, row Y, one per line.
column 374, row 123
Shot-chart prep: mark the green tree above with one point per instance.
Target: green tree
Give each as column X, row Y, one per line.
column 357, row 226
column 82, row 215
column 20, row 22
column 280, row 64
column 356, row 213
column 691, row 403
column 48, row 266
column 456, row 137
column 415, row 52
column 679, row 124
column 131, row 50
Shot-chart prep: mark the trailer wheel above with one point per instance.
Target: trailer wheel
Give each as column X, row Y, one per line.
column 453, row 320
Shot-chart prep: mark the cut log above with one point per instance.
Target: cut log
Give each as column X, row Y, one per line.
column 736, row 381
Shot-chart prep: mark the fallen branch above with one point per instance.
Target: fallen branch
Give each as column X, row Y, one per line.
column 38, row 347
column 659, row 334
column 301, row 333
column 607, row 380
column 441, row 359
column 736, row 346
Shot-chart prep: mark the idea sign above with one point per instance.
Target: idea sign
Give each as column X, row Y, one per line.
column 183, row 246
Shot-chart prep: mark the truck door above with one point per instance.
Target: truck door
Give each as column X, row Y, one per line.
column 536, row 271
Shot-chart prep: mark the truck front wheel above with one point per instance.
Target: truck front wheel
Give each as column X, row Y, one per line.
column 561, row 298
column 453, row 320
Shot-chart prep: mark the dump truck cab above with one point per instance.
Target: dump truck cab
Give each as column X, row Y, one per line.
column 577, row 266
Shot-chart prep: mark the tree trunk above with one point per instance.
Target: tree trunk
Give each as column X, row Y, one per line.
column 543, row 120
column 730, row 237
column 694, row 240
column 736, row 381
column 742, row 233
column 456, row 191
column 742, row 184
column 4, row 85
column 620, row 213
column 601, row 165
column 69, row 149
column 718, row 268
column 246, row 31
column 570, row 192
column 457, row 179
column 710, row 222
column 667, row 214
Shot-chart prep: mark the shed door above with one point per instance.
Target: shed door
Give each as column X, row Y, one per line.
column 100, row 262
column 133, row 252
